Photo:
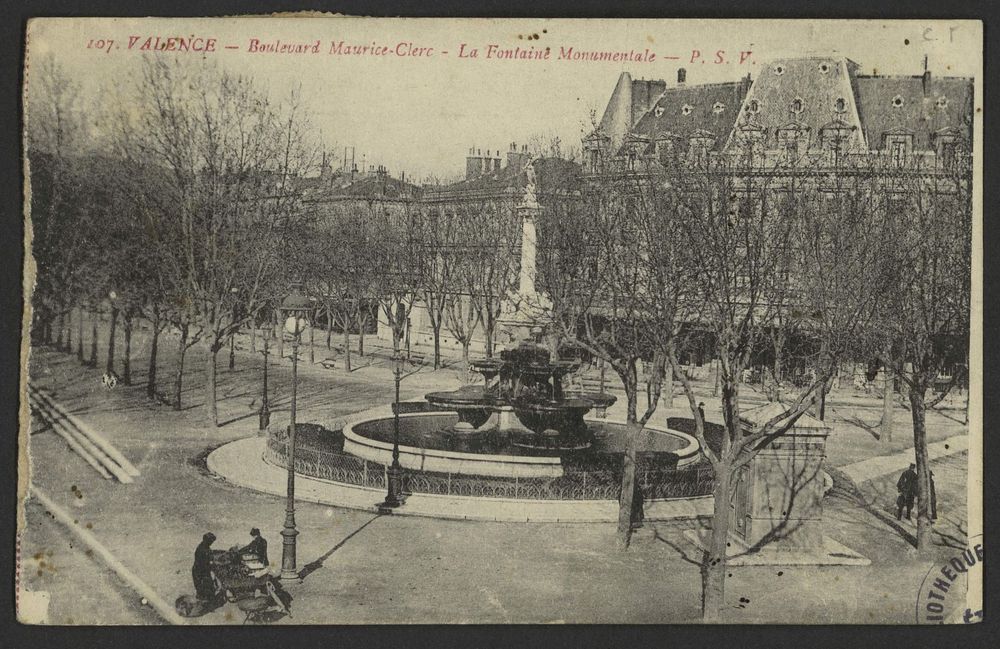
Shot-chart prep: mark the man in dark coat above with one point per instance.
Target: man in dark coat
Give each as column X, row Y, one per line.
column 201, row 571
column 257, row 546
column 933, row 498
column 701, row 411
column 907, row 488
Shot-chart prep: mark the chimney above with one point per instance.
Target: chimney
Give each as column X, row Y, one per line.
column 516, row 159
column 473, row 164
column 681, row 76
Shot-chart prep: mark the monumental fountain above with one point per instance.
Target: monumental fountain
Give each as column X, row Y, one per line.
column 520, row 421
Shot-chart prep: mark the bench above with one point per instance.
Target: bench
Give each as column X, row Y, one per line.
column 328, row 363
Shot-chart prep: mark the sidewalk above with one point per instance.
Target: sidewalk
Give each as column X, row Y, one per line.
column 241, row 463
column 877, row 467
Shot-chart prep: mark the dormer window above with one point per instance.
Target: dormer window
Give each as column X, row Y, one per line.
column 686, row 109
column 840, row 105
column 796, row 105
column 793, row 140
column 699, row 146
column 824, row 67
column 942, row 102
column 666, row 147
column 718, row 107
column 898, row 146
column 947, row 145
column 897, row 101
column 835, row 136
column 753, row 106
column 779, row 70
column 658, row 112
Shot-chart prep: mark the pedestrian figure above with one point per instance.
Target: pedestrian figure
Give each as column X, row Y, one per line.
column 907, row 488
column 257, row 547
column 933, row 498
column 701, row 411
column 201, row 571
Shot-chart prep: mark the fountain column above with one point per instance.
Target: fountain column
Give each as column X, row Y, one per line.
column 529, row 238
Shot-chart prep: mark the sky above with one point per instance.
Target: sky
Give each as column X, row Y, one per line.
column 421, row 114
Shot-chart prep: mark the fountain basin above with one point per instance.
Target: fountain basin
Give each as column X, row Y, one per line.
column 368, row 435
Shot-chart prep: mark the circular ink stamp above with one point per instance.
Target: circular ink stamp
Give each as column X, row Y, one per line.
column 945, row 595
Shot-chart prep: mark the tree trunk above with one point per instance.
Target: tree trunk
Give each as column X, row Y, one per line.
column 153, row 349
column 668, row 388
column 714, row 564
column 437, row 343
column 465, row 350
column 79, row 335
column 312, row 345
column 69, row 332
column 127, row 360
column 111, row 341
column 232, row 351
column 347, row 349
column 488, row 330
column 329, row 327
column 93, row 339
column 918, row 411
column 362, row 323
column 212, row 386
column 887, row 395
column 59, row 331
column 253, row 336
column 179, row 376
column 627, row 496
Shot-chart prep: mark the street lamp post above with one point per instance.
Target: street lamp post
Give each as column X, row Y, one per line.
column 394, row 475
column 295, row 309
column 265, row 410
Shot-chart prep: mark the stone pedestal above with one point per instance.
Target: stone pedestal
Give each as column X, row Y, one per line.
column 778, row 503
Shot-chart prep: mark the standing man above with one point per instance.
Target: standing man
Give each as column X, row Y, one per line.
column 933, row 498
column 701, row 411
column 907, row 488
column 201, row 571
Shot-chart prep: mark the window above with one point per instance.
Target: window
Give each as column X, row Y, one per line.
column 686, row 109
column 898, row 146
column 753, row 106
column 779, row 70
column 698, row 150
column 793, row 141
column 659, row 111
column 718, row 107
column 948, row 151
column 666, row 149
column 840, row 105
column 824, row 67
column 897, row 101
column 796, row 106
column 942, row 102
column 594, row 159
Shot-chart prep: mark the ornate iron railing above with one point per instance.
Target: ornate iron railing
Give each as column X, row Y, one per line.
column 573, row 485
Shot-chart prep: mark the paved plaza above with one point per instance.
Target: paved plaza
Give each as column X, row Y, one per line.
column 362, row 568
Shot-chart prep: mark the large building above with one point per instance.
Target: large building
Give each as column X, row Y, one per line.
column 795, row 106
column 798, row 110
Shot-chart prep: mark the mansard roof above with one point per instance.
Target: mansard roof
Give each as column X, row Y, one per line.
column 682, row 111
column 810, row 93
column 916, row 104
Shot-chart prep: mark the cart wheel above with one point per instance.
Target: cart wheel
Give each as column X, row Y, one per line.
column 277, row 600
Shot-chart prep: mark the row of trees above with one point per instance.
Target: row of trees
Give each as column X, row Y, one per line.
column 177, row 205
column 855, row 255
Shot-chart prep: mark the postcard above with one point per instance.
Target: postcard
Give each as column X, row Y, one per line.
column 342, row 320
